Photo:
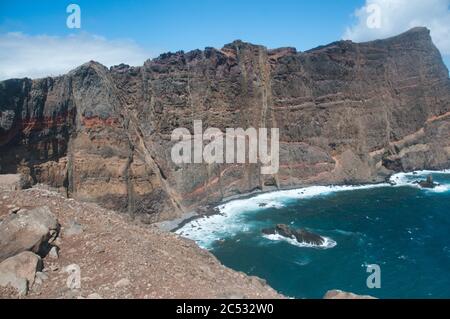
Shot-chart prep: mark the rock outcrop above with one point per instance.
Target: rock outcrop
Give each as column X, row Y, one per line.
column 428, row 183
column 19, row 271
column 339, row 294
column 11, row 182
column 347, row 113
column 301, row 235
column 27, row 230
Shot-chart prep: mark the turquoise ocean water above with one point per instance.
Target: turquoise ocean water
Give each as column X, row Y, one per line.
column 404, row 229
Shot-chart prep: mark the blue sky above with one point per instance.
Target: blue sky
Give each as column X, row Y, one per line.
column 131, row 31
column 189, row 24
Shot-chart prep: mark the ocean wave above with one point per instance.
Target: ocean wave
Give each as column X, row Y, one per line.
column 441, row 189
column 410, row 179
column 327, row 244
column 232, row 217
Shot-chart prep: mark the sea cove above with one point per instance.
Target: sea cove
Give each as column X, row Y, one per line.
column 402, row 227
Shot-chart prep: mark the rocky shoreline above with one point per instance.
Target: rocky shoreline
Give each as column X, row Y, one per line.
column 173, row 225
column 48, row 239
column 348, row 113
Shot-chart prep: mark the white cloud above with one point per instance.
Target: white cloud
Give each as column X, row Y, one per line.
column 398, row 16
column 23, row 55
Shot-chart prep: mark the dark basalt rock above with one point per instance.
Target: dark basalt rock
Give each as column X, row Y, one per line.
column 301, row 235
column 428, row 183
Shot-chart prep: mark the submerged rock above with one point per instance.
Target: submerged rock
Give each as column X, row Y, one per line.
column 301, row 235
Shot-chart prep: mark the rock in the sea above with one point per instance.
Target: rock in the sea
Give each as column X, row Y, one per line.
column 19, row 271
column 429, row 183
column 301, row 235
column 27, row 230
column 339, row 294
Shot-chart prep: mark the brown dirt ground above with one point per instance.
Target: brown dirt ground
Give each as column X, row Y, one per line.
column 113, row 247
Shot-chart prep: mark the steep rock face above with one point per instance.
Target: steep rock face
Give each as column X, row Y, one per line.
column 347, row 113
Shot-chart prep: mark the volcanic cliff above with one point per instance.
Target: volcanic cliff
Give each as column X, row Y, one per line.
column 347, row 113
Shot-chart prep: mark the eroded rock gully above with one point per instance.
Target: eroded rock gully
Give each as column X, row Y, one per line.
column 347, row 113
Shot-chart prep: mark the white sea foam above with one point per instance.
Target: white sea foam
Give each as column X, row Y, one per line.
column 411, row 179
column 327, row 244
column 231, row 220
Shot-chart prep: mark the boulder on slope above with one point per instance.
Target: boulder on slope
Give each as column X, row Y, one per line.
column 19, row 272
column 28, row 230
